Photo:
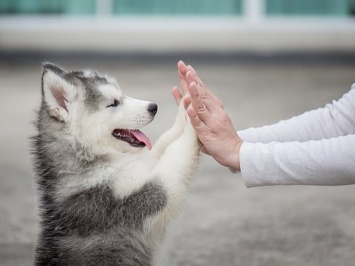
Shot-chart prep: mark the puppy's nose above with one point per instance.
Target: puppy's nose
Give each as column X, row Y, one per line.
column 152, row 108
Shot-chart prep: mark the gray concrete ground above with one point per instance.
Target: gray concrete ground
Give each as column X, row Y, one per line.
column 222, row 222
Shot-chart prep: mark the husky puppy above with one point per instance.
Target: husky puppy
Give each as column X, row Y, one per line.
column 105, row 199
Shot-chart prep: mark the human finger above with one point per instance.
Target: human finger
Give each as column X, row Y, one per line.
column 193, row 74
column 212, row 104
column 182, row 67
column 198, row 104
column 195, row 121
column 182, row 76
column 204, row 92
column 183, row 83
column 187, row 101
column 188, row 74
column 177, row 95
column 183, row 70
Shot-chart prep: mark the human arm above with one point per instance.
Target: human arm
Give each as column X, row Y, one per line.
column 335, row 119
column 315, row 148
column 322, row 162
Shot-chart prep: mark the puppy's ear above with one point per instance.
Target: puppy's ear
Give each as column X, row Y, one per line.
column 57, row 92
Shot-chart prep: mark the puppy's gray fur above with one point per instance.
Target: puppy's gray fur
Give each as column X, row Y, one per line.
column 104, row 200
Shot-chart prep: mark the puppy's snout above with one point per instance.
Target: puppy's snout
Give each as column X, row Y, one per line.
column 153, row 108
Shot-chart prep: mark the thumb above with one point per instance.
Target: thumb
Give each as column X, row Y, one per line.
column 177, row 95
column 204, row 150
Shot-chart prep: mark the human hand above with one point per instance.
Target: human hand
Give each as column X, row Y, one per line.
column 209, row 119
column 187, row 74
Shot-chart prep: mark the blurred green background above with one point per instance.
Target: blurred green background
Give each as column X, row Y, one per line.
column 341, row 8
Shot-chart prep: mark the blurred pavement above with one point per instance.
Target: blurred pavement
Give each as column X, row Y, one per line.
column 222, row 222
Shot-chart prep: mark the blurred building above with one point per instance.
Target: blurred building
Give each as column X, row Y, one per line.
column 263, row 26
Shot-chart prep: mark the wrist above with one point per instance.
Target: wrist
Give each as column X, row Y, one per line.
column 234, row 164
column 232, row 159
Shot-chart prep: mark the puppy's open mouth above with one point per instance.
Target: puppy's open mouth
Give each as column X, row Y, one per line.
column 135, row 138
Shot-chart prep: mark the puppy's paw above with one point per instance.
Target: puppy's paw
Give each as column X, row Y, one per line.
column 190, row 131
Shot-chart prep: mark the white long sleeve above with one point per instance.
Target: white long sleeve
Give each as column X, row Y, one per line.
column 336, row 119
column 315, row 148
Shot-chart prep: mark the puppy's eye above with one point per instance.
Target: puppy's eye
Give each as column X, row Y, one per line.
column 114, row 103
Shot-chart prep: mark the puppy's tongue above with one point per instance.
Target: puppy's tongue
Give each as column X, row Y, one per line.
column 143, row 138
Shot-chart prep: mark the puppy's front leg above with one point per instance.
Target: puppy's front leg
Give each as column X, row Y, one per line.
column 177, row 165
column 172, row 134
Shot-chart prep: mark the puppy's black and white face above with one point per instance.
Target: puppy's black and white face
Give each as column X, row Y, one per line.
column 95, row 111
